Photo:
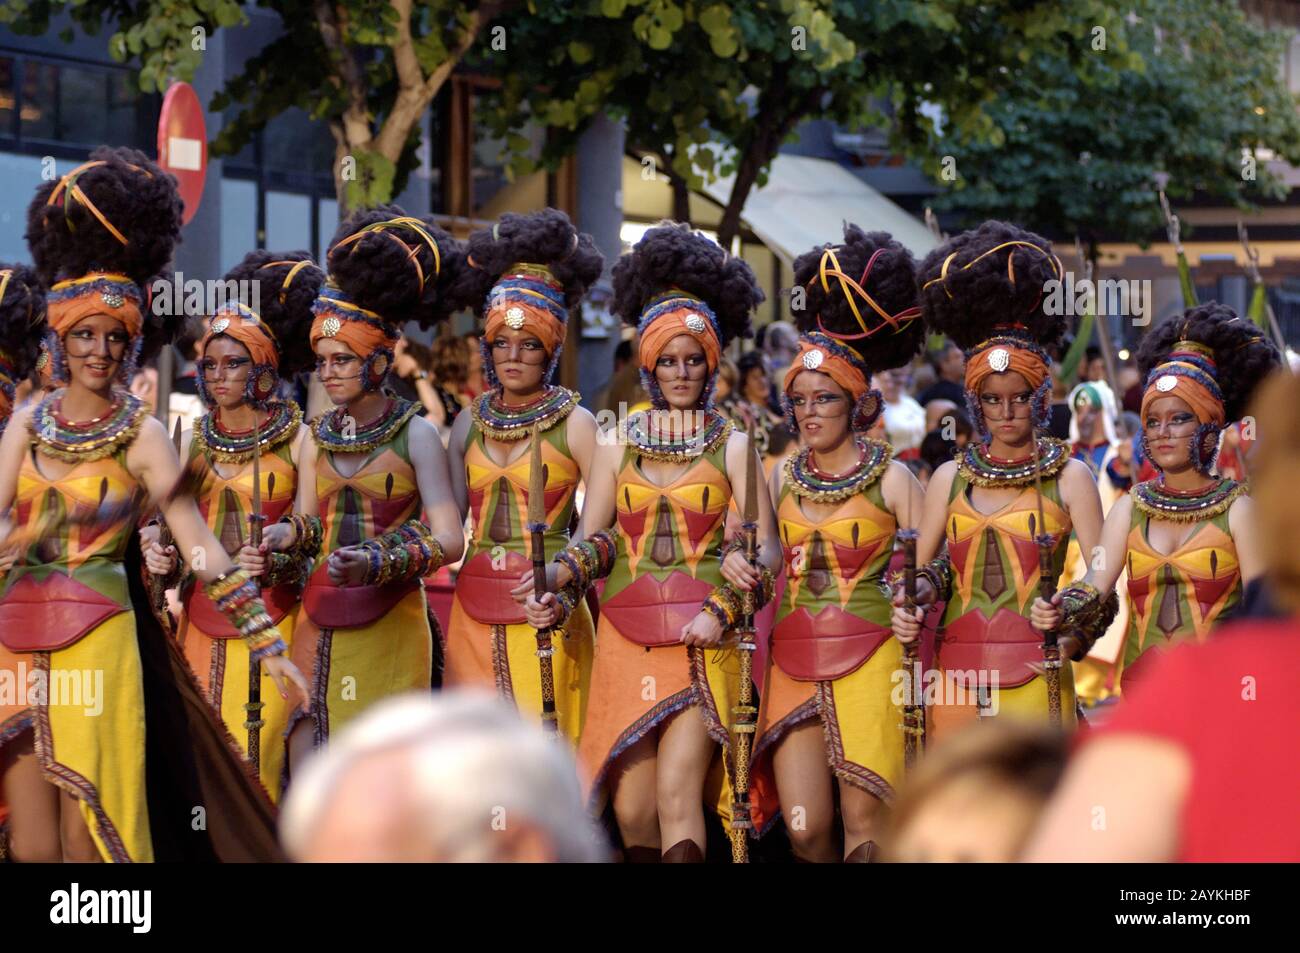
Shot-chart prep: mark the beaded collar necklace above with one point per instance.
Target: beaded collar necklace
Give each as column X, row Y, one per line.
column 1183, row 506
column 230, row 446
column 809, row 483
column 331, row 432
column 653, row 444
column 981, row 468
column 501, row 421
column 82, row 441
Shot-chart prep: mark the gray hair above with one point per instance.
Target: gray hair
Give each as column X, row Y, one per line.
column 472, row 764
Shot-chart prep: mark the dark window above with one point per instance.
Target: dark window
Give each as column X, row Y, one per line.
column 7, row 101
column 40, row 119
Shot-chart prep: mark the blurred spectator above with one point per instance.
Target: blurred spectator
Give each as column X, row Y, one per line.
column 950, row 371
column 951, row 435
column 1058, row 424
column 474, row 382
column 624, row 393
column 1130, row 387
column 453, row 777
column 977, row 796
column 724, row 392
column 753, row 400
column 904, row 418
column 1094, row 366
column 780, row 345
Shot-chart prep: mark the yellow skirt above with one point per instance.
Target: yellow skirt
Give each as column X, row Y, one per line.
column 221, row 668
column 504, row 658
column 352, row 669
column 85, row 704
column 952, row 704
column 634, row 689
column 861, row 715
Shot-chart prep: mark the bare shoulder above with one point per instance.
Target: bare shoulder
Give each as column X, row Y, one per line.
column 941, row 479
column 460, row 429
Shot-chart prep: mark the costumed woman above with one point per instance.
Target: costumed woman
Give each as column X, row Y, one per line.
column 88, row 778
column 22, row 324
column 665, row 679
column 1185, row 537
column 248, row 347
column 524, row 274
column 984, row 290
column 829, row 718
column 376, row 469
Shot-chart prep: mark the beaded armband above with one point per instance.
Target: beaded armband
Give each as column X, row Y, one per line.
column 727, row 603
column 237, row 596
column 408, row 553
column 286, row 569
column 589, row 560
column 567, row 598
column 1084, row 611
column 306, row 535
column 939, row 571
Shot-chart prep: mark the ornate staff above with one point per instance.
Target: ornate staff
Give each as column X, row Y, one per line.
column 537, row 530
column 253, row 710
column 1047, row 589
column 745, row 712
column 913, row 710
column 158, row 584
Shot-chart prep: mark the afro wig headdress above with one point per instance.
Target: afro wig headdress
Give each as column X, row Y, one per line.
column 527, row 271
column 678, row 282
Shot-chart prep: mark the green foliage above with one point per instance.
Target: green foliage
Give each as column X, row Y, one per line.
column 1078, row 146
column 295, row 69
column 743, row 75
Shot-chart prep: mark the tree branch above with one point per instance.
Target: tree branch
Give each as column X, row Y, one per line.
column 356, row 118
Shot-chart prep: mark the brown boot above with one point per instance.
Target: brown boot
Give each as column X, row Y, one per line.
column 868, row 852
column 641, row 855
column 684, row 852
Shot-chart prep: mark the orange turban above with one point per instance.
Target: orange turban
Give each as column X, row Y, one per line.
column 362, row 332
column 1188, row 374
column 528, row 296
column 1006, row 353
column 675, row 314
column 242, row 323
column 820, row 356
column 97, row 293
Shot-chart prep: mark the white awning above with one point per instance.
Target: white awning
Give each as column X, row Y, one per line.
column 806, row 199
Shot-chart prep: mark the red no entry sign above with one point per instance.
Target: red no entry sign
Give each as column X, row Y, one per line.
column 183, row 143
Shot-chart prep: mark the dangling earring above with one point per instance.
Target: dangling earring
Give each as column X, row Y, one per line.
column 1205, row 448
column 260, row 386
column 58, row 359
column 867, row 410
column 375, row 368
column 132, row 362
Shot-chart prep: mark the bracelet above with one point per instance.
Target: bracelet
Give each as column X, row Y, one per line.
column 590, row 559
column 239, row 600
column 1086, row 613
column 409, row 552
column 726, row 603
column 307, row 535
column 938, row 571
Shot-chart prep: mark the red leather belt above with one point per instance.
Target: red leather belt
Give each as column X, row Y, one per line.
column 650, row 612
column 51, row 614
column 826, row 646
column 350, row 607
column 1006, row 644
column 484, row 589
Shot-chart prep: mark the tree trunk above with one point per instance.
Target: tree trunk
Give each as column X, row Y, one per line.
column 681, row 198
